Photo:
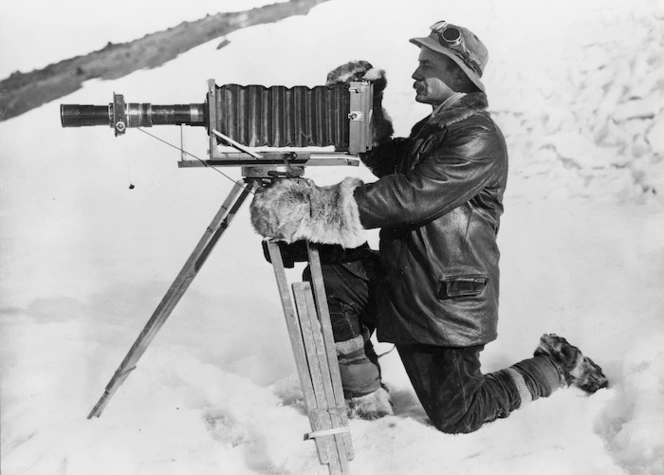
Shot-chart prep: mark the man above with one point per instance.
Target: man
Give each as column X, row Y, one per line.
column 434, row 289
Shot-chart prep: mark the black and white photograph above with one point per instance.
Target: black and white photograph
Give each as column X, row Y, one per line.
column 332, row 237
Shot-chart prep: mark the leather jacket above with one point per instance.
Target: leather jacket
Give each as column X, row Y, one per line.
column 438, row 203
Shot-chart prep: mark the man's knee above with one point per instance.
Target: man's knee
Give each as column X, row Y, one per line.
column 346, row 296
column 458, row 425
column 475, row 411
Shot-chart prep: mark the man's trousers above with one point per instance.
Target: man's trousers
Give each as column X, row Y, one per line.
column 455, row 394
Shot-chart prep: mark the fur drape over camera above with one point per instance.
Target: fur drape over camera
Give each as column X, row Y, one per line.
column 296, row 209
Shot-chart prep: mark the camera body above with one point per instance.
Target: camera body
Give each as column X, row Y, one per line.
column 278, row 117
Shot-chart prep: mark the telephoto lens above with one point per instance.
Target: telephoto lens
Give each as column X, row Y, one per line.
column 136, row 114
column 77, row 115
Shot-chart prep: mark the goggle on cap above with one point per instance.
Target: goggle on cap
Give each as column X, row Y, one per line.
column 460, row 45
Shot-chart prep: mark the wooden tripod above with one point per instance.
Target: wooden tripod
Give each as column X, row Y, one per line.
column 309, row 329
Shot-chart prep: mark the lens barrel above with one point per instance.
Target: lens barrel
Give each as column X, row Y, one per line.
column 147, row 115
column 137, row 115
column 77, row 115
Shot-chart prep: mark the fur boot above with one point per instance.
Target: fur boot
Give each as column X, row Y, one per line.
column 295, row 209
column 381, row 124
column 370, row 406
column 577, row 370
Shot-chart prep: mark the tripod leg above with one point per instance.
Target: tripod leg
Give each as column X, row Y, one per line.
column 316, row 366
column 292, row 323
column 337, row 396
column 219, row 224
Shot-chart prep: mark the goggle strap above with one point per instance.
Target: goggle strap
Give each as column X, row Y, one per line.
column 438, row 25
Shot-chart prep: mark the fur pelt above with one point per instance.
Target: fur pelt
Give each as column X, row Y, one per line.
column 466, row 107
column 295, row 209
column 371, row 406
column 578, row 370
column 381, row 124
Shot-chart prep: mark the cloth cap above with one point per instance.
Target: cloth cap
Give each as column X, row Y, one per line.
column 470, row 54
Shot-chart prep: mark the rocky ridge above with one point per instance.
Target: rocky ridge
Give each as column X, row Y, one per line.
column 21, row 92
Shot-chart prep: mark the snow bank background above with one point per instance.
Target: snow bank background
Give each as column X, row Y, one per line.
column 577, row 88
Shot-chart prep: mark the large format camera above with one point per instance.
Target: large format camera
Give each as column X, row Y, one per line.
column 253, row 116
column 285, row 126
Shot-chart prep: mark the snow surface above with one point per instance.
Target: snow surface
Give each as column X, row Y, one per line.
column 577, row 88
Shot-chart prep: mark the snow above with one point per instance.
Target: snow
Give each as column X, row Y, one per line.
column 84, row 260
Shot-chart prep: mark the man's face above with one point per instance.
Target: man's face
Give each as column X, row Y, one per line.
column 431, row 78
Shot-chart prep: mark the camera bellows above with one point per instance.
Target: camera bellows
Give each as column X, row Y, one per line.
column 279, row 116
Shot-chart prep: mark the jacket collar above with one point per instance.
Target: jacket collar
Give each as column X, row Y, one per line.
column 449, row 102
column 467, row 106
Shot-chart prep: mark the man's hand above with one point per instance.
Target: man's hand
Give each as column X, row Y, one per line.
column 357, row 71
column 295, row 209
column 381, row 124
column 277, row 211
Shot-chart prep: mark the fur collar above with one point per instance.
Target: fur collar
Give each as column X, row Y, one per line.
column 467, row 106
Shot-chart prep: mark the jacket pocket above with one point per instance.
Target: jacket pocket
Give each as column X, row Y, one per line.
column 468, row 285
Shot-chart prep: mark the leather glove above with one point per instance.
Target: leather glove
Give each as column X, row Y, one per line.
column 294, row 209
